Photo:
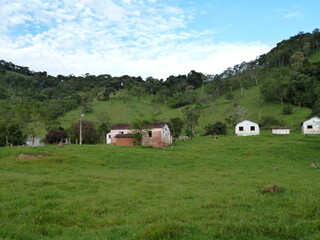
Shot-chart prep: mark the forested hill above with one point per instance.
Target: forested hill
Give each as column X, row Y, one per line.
column 289, row 73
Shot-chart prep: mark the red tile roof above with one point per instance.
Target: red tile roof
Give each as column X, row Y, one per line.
column 120, row 126
column 158, row 124
column 127, row 125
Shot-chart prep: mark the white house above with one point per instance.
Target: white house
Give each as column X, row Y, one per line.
column 311, row 126
column 157, row 136
column 247, row 128
column 281, row 130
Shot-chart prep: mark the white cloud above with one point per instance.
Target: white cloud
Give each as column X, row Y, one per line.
column 293, row 15
column 281, row 13
column 133, row 37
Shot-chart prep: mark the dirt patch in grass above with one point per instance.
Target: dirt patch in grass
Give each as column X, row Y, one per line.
column 30, row 156
column 272, row 188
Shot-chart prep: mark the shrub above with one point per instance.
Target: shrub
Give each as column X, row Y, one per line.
column 316, row 108
column 176, row 124
column 55, row 136
column 3, row 139
column 272, row 188
column 287, row 110
column 12, row 135
column 229, row 96
column 141, row 128
column 269, row 121
column 218, row 128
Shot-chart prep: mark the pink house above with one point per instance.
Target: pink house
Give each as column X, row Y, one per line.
column 158, row 136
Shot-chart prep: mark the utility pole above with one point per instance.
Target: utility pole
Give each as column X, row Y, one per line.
column 80, row 134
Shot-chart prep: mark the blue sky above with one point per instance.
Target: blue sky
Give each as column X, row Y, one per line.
column 146, row 38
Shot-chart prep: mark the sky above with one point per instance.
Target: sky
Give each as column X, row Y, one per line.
column 146, row 38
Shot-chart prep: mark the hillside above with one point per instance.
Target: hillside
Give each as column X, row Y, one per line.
column 289, row 75
column 118, row 111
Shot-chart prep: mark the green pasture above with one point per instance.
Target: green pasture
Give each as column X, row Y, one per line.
column 198, row 189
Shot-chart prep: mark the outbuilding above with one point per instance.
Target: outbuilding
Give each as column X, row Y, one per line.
column 34, row 141
column 157, row 136
column 247, row 128
column 281, row 130
column 311, row 126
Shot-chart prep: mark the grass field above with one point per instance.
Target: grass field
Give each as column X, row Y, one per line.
column 199, row 189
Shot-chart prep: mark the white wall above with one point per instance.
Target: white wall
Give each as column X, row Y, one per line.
column 281, row 131
column 166, row 135
column 111, row 135
column 247, row 128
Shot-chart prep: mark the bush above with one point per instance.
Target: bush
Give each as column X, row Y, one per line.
column 218, row 128
column 287, row 110
column 55, row 136
column 229, row 96
column 269, row 121
column 176, row 124
column 140, row 128
column 181, row 99
column 316, row 108
column 3, row 139
column 12, row 136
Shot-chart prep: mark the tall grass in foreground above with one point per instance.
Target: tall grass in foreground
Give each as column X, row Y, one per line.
column 199, row 189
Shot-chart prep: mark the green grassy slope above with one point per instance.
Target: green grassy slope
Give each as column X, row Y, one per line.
column 251, row 102
column 118, row 111
column 315, row 57
column 200, row 189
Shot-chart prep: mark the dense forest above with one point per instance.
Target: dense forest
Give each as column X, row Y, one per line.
column 284, row 75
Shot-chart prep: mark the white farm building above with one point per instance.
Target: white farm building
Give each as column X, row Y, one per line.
column 247, row 128
column 311, row 126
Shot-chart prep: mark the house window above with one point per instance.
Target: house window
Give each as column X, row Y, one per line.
column 150, row 133
column 121, row 132
column 252, row 128
column 240, row 128
column 309, row 126
column 109, row 136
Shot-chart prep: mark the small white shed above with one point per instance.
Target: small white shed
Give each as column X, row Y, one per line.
column 281, row 130
column 311, row 126
column 247, row 128
column 34, row 142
